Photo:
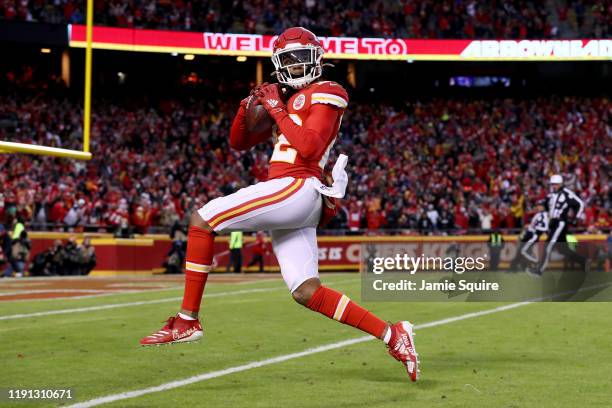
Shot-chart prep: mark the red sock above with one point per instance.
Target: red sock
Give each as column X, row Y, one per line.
column 200, row 249
column 337, row 306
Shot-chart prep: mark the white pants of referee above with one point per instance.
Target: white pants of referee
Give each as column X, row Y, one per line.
column 556, row 233
column 530, row 240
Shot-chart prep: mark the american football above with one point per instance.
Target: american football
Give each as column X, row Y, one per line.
column 257, row 118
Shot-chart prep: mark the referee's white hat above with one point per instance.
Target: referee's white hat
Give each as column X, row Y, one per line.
column 556, row 179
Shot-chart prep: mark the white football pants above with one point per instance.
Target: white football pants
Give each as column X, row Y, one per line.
column 289, row 208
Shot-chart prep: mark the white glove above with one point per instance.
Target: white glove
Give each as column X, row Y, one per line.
column 338, row 187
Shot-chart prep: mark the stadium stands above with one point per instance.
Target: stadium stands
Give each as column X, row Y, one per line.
column 361, row 18
column 426, row 165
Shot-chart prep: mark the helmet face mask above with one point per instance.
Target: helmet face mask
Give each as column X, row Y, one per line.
column 287, row 62
column 297, row 60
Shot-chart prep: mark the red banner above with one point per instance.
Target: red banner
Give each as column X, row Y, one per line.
column 126, row 39
column 147, row 253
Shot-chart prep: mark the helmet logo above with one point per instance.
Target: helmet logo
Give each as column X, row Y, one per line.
column 298, row 103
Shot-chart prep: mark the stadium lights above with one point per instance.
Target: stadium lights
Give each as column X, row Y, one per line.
column 241, row 58
column 189, row 57
column 45, row 50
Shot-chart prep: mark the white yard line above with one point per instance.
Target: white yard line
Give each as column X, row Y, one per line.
column 128, row 304
column 274, row 360
column 56, row 298
column 107, row 292
column 34, row 291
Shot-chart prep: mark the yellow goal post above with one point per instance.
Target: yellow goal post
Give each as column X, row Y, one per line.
column 85, row 154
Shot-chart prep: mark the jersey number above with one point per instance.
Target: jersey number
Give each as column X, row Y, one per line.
column 283, row 152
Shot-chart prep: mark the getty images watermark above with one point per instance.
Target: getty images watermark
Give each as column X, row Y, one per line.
column 411, row 265
column 478, row 271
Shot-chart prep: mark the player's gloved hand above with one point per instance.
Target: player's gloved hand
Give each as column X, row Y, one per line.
column 257, row 88
column 338, row 187
column 252, row 95
column 247, row 101
column 271, row 99
column 329, row 210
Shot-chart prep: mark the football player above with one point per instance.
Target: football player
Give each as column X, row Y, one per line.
column 289, row 203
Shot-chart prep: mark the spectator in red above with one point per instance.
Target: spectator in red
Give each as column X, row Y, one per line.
column 461, row 217
column 354, row 217
column 58, row 212
column 141, row 219
column 260, row 249
column 374, row 219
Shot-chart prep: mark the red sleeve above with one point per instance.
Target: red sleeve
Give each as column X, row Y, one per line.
column 312, row 138
column 240, row 137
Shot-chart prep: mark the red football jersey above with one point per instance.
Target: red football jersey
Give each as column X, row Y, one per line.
column 285, row 160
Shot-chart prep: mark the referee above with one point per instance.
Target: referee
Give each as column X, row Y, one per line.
column 560, row 201
column 537, row 227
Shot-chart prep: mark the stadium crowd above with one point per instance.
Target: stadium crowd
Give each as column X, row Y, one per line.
column 445, row 164
column 361, row 18
column 427, row 166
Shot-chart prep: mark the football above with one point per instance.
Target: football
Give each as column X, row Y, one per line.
column 257, row 119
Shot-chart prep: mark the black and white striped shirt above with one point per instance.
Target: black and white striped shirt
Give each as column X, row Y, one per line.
column 539, row 223
column 561, row 201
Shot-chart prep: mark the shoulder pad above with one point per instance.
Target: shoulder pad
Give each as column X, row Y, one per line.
column 329, row 92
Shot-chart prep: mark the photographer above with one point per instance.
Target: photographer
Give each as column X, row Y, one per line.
column 87, row 257
column 20, row 254
column 6, row 253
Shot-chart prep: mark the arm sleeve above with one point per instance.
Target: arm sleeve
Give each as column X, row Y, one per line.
column 240, row 137
column 312, row 138
column 577, row 203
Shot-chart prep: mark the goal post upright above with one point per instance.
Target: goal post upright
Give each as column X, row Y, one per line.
column 88, row 65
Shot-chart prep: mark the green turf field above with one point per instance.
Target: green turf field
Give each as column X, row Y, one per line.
column 536, row 355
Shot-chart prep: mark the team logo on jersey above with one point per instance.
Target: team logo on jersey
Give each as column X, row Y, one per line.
column 298, row 103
